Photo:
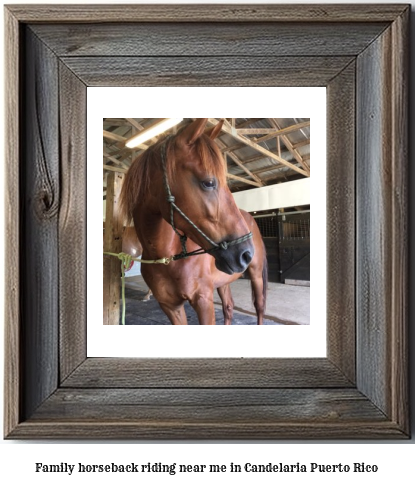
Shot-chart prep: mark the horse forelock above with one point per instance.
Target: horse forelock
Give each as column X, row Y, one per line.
column 210, row 158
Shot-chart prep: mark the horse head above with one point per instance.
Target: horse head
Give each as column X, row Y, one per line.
column 204, row 208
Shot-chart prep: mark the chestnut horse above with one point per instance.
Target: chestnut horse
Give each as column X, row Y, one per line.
column 177, row 188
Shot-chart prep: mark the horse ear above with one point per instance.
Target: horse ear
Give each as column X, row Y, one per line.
column 214, row 131
column 192, row 132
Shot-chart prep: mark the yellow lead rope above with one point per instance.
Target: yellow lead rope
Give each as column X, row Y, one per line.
column 125, row 263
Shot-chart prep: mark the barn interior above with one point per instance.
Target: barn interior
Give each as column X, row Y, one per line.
column 268, row 173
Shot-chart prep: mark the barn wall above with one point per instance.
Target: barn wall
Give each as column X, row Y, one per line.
column 283, row 195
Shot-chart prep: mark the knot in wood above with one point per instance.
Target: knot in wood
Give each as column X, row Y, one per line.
column 46, row 205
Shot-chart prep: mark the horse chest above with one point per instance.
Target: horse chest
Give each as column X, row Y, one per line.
column 176, row 281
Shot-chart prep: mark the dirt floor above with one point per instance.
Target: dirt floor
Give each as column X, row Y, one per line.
column 286, row 304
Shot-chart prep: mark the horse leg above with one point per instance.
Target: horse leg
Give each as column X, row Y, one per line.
column 203, row 306
column 258, row 297
column 176, row 314
column 258, row 274
column 227, row 303
column 148, row 296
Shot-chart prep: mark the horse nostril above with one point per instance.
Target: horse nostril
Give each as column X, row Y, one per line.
column 246, row 257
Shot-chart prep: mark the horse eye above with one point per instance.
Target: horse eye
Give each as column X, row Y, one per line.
column 209, row 184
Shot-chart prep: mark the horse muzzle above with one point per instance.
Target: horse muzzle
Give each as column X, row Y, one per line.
column 234, row 259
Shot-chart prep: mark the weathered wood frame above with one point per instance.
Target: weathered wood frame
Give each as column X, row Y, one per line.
column 52, row 389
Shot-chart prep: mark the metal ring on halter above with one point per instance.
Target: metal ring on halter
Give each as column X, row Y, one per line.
column 170, row 199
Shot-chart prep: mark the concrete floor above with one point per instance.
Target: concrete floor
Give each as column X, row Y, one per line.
column 286, row 304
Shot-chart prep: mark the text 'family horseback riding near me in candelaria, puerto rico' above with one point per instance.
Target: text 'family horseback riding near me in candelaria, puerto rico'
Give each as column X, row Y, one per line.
column 176, row 468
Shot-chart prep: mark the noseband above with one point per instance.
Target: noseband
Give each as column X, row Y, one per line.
column 183, row 238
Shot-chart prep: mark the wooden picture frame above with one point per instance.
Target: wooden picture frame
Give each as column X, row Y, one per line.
column 359, row 52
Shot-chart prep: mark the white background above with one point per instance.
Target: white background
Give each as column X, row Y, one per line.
column 305, row 340
column 395, row 459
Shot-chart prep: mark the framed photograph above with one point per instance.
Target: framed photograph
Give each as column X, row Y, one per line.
column 55, row 54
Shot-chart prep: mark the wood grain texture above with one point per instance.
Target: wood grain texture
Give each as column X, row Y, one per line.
column 205, row 71
column 207, row 39
column 341, row 236
column 400, row 244
column 206, row 373
column 373, row 195
column 188, row 430
column 40, row 206
column 12, row 371
column 205, row 13
column 382, row 223
column 72, row 222
column 210, row 405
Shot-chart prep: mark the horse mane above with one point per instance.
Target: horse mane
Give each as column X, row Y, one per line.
column 136, row 183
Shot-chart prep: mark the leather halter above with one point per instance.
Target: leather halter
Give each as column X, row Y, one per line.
column 183, row 238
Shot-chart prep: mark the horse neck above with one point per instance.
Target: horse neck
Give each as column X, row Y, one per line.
column 155, row 234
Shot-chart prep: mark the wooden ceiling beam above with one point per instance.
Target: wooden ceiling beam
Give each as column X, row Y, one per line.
column 279, row 146
column 113, row 137
column 235, row 147
column 306, row 142
column 230, row 176
column 121, row 153
column 236, row 160
column 306, row 165
column 282, row 177
column 229, row 130
column 135, row 124
column 279, row 178
column 114, row 160
column 114, row 168
column 115, row 122
column 268, row 168
column 247, row 123
column 295, row 153
column 273, row 133
column 259, row 158
column 289, row 146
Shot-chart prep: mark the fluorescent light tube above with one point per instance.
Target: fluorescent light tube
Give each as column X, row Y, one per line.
column 152, row 131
